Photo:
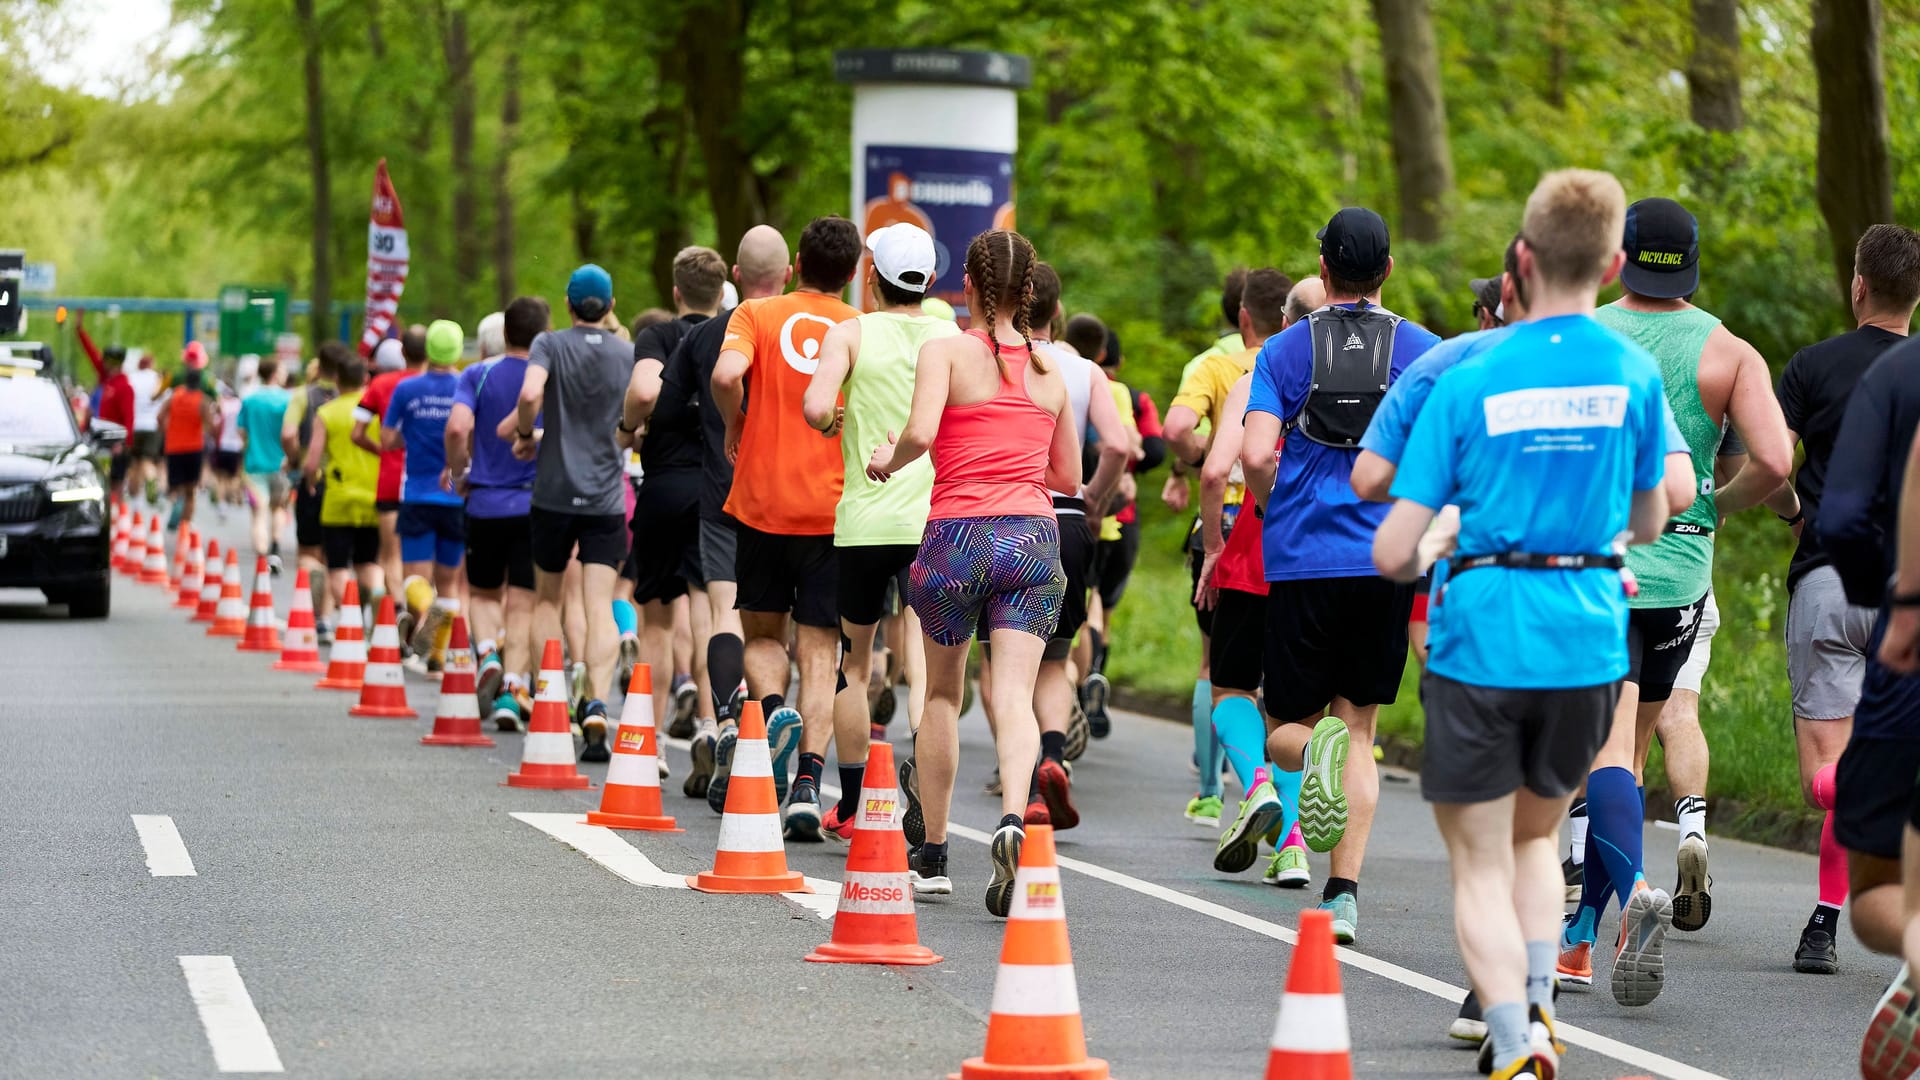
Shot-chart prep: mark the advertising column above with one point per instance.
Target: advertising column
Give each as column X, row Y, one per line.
column 934, row 133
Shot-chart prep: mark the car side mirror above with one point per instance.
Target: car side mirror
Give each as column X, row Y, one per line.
column 106, row 433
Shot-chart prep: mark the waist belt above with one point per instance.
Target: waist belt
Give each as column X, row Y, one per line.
column 1526, row 560
column 1687, row 528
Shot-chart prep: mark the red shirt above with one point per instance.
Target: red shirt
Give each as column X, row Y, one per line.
column 393, row 463
column 1242, row 566
column 1147, row 419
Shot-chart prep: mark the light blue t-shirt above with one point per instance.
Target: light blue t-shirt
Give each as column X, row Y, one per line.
column 418, row 410
column 1541, row 441
column 261, row 414
column 1315, row 526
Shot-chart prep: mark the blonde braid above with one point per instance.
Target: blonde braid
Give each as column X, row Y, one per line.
column 987, row 288
column 1023, row 317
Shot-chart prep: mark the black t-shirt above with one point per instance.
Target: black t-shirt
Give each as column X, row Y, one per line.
column 1814, row 390
column 673, row 439
column 685, row 399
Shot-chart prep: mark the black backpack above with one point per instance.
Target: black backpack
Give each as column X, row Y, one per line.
column 1352, row 355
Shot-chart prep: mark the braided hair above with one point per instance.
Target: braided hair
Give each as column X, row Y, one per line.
column 1001, row 263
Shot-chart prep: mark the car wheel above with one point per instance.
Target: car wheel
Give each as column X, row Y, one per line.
column 91, row 601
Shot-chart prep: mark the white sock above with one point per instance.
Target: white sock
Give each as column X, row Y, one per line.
column 1691, row 810
column 484, row 647
column 1577, row 825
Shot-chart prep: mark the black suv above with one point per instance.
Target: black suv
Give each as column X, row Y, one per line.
column 55, row 532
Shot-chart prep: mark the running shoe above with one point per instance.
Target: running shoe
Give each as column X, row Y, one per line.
column 665, row 769
column 506, row 714
column 579, row 688
column 1323, row 793
column 1640, row 963
column 722, row 768
column 1346, row 917
column 1036, row 812
column 1240, row 845
column 929, row 875
column 1692, row 904
column 1816, row 954
column 1539, row 1061
column 837, row 827
column 1095, row 692
column 686, row 698
column 1288, row 868
column 403, row 620
column 1575, row 966
column 801, row 818
column 1540, row 1030
column 1078, row 733
column 414, row 662
column 486, row 683
column 629, row 656
column 593, row 728
column 323, row 631
column 1057, row 790
column 992, row 786
column 701, row 774
column 435, row 620
column 913, row 824
column 523, row 698
column 1891, row 1050
column 1576, row 878
column 738, row 700
column 1469, row 1025
column 273, row 564
column 1005, row 853
column 783, row 736
column 1204, row 811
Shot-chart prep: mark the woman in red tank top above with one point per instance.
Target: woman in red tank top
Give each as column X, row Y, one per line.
column 995, row 420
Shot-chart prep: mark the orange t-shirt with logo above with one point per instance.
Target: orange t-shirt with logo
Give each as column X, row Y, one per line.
column 186, row 430
column 788, row 476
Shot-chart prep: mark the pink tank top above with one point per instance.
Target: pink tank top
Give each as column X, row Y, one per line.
column 990, row 459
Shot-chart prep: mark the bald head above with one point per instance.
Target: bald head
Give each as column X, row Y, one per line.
column 762, row 262
column 1308, row 295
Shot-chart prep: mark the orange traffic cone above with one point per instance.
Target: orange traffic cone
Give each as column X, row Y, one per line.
column 456, row 722
column 118, row 561
column 632, row 798
column 192, row 577
column 182, row 543
column 153, row 568
column 546, row 757
column 383, row 691
column 230, row 615
column 1310, row 1037
column 261, row 635
column 136, row 555
column 1034, row 1027
column 299, row 650
column 751, row 857
column 209, row 605
column 874, row 923
column 347, row 659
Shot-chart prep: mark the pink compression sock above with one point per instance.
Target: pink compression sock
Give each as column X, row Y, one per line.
column 1833, row 858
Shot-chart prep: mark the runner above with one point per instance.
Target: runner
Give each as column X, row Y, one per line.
column 1195, row 415
column 116, row 403
column 1336, row 634
column 296, row 437
column 762, row 270
column 876, row 526
column 1528, row 652
column 373, row 405
column 787, row 481
column 349, row 524
column 262, row 415
column 574, row 382
column 499, row 489
column 432, row 525
column 665, row 562
column 148, row 446
column 1826, row 635
column 999, row 423
column 189, row 414
column 229, row 442
column 1709, row 375
column 1874, row 789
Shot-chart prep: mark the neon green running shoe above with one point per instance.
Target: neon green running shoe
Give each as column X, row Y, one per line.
column 1204, row 810
column 1288, row 868
column 1240, row 845
column 1323, row 792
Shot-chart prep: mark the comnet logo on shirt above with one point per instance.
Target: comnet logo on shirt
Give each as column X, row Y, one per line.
column 1556, row 408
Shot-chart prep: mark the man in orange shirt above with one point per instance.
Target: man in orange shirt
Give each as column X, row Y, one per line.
column 786, row 484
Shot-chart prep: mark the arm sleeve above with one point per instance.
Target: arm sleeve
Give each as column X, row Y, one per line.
column 1849, row 523
column 1426, row 475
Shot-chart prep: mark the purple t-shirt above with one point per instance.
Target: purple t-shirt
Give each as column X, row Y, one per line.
column 499, row 484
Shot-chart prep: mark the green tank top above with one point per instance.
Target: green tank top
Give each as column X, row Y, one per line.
column 879, row 394
column 1677, row 569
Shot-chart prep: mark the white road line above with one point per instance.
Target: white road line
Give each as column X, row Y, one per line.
column 166, row 852
column 1613, row 1048
column 234, row 1029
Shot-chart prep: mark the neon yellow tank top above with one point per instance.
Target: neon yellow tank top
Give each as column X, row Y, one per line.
column 879, row 394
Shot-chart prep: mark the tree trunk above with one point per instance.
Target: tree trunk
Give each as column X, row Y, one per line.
column 714, row 71
column 1422, row 159
column 1853, row 180
column 466, row 195
column 504, row 276
column 321, row 294
column 1713, row 72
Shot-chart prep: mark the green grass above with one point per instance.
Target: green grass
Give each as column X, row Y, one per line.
column 1744, row 708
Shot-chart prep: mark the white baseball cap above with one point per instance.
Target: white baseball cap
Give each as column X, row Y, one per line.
column 387, row 356
column 904, row 255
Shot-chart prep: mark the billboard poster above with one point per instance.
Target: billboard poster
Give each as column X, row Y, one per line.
column 954, row 194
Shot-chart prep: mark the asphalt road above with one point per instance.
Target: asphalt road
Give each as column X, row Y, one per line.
column 387, row 914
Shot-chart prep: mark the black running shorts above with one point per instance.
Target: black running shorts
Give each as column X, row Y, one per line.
column 1334, row 638
column 348, row 546
column 1113, row 564
column 1658, row 643
column 1078, row 548
column 796, row 575
column 1873, row 794
column 666, row 537
column 1238, row 646
column 1484, row 743
column 500, row 552
column 866, row 573
column 307, row 530
column 602, row 539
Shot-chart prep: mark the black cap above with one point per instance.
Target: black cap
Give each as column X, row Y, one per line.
column 1354, row 244
column 1663, row 250
column 1486, row 292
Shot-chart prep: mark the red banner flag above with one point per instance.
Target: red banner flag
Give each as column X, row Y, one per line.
column 386, row 261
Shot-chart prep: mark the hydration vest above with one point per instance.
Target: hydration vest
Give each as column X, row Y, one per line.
column 1352, row 356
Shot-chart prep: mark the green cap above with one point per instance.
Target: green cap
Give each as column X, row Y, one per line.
column 445, row 342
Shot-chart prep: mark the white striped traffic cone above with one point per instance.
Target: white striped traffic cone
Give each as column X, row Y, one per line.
column 261, row 634
column 1310, row 1037
column 299, row 647
column 191, row 578
column 456, row 721
column 383, row 691
column 230, row 616
column 347, row 658
column 153, row 570
column 546, row 757
column 632, row 797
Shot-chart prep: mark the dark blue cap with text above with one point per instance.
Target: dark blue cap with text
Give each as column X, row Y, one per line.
column 1663, row 250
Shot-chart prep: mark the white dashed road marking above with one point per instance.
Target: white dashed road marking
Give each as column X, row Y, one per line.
column 234, row 1029
column 166, row 852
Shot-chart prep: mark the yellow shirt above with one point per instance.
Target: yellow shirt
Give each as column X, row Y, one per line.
column 1205, row 390
column 1123, row 401
column 352, row 474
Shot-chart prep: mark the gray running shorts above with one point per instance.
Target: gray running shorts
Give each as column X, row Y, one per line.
column 718, row 543
column 1484, row 743
column 1826, row 646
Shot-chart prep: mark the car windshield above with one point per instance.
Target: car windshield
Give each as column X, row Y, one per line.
column 32, row 413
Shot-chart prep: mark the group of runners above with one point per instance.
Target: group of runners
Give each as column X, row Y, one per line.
column 770, row 492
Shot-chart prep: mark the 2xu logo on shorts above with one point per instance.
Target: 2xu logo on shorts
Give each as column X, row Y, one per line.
column 869, row 893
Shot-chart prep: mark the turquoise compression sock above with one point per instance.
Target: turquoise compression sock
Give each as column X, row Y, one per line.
column 1207, row 751
column 1242, row 736
column 625, row 618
